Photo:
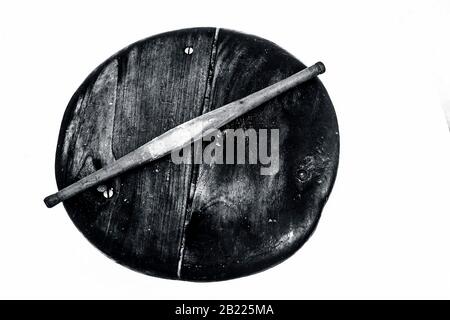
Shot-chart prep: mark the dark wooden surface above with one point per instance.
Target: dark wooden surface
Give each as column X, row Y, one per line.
column 197, row 222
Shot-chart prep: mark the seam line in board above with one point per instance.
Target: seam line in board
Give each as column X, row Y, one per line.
column 195, row 167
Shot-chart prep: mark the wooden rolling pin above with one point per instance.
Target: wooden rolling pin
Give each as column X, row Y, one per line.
column 184, row 134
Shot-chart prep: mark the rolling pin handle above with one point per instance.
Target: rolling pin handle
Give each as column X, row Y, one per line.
column 52, row 200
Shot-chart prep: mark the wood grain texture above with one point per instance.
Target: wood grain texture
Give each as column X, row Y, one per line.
column 197, row 222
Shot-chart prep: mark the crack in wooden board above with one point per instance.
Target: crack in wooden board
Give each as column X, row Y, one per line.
column 206, row 105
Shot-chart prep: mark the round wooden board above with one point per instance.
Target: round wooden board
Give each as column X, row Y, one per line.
column 197, row 221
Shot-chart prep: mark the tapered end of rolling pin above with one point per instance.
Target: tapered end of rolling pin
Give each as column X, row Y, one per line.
column 52, row 200
column 320, row 67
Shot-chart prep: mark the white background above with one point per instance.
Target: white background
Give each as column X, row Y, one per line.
column 385, row 232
